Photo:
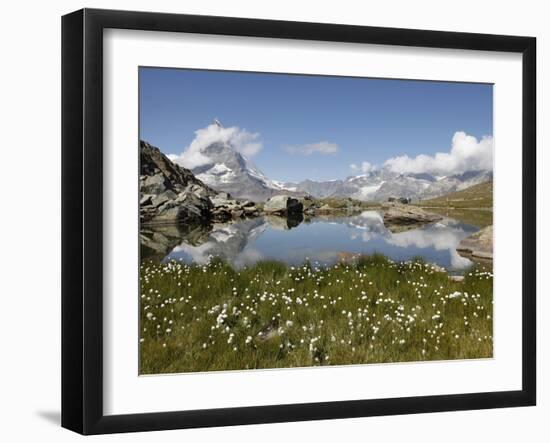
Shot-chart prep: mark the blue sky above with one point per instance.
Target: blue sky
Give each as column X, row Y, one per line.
column 366, row 119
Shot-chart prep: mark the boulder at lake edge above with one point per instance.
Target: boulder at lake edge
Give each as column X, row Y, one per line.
column 478, row 245
column 283, row 205
column 398, row 214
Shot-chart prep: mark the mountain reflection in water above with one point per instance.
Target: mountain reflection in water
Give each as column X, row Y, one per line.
column 321, row 239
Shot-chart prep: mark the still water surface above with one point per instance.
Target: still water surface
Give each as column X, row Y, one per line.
column 323, row 239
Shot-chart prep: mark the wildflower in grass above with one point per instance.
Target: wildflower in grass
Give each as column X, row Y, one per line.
column 264, row 307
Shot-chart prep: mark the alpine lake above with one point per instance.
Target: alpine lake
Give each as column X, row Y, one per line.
column 322, row 240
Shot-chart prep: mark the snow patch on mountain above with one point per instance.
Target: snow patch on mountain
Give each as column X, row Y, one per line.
column 367, row 192
column 381, row 184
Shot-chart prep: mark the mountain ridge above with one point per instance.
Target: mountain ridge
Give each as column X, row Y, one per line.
column 476, row 196
column 381, row 184
column 225, row 169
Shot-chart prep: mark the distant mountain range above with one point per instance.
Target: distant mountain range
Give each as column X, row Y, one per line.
column 227, row 170
column 477, row 196
column 380, row 184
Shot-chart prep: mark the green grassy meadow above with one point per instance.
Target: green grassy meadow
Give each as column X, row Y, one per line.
column 476, row 217
column 474, row 197
column 371, row 310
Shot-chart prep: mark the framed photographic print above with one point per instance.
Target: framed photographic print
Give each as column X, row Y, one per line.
column 269, row 221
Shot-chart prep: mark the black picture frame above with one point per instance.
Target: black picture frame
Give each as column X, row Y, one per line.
column 82, row 218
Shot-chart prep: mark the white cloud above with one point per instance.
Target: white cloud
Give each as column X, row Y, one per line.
column 365, row 167
column 247, row 143
column 466, row 154
column 323, row 147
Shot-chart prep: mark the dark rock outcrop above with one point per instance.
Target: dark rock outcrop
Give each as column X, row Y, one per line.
column 170, row 193
column 226, row 208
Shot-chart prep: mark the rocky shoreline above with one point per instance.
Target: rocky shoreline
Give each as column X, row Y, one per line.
column 171, row 194
column 398, row 216
column 478, row 245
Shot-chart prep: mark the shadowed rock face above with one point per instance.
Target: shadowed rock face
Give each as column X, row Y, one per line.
column 170, row 193
column 160, row 173
column 478, row 245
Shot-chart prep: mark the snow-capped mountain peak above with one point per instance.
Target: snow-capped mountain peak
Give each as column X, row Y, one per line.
column 219, row 156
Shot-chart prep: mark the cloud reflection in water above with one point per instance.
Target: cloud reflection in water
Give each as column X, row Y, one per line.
column 325, row 239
